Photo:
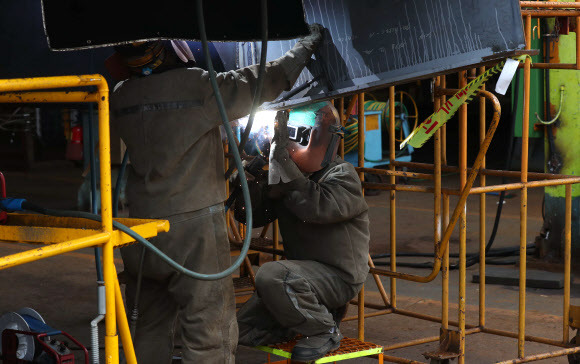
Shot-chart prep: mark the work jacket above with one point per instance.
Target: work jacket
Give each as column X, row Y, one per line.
column 169, row 122
column 323, row 218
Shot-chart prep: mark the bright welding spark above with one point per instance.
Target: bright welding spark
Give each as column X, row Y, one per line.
column 263, row 124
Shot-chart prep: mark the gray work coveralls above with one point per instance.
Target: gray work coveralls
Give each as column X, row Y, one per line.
column 169, row 122
column 325, row 229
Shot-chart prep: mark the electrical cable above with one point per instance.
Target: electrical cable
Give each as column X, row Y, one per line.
column 495, row 254
column 135, row 311
column 120, row 176
column 28, row 206
column 116, row 195
column 492, row 252
column 260, row 83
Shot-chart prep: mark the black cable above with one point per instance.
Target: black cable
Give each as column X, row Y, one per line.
column 135, row 311
column 117, row 192
column 116, row 195
column 429, row 265
column 492, row 252
column 259, row 86
column 508, row 165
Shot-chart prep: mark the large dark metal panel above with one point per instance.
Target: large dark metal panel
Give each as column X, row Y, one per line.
column 25, row 52
column 372, row 43
column 87, row 23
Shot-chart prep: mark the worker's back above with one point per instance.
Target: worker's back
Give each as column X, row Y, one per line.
column 176, row 151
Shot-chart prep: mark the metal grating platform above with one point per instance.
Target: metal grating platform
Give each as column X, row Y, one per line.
column 262, row 242
column 349, row 349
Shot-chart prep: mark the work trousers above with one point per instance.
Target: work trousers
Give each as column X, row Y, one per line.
column 205, row 310
column 292, row 297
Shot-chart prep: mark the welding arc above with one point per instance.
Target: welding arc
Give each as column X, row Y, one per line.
column 260, row 83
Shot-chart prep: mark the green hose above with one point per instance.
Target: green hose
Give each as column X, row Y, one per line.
column 117, row 225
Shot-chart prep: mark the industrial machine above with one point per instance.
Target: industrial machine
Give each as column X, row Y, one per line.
column 27, row 339
column 376, row 130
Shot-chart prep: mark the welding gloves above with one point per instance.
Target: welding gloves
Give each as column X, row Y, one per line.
column 282, row 168
column 312, row 40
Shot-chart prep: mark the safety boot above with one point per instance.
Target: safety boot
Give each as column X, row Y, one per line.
column 311, row 348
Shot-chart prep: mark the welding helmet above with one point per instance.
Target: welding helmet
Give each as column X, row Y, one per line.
column 144, row 58
column 315, row 132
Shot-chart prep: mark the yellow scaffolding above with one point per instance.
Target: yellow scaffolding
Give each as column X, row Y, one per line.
column 62, row 235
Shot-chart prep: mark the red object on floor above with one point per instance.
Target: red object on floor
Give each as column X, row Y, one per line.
column 3, row 215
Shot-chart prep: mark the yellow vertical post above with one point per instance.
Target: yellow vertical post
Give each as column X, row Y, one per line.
column 392, row 197
column 437, row 200
column 462, row 218
column 445, row 258
column 361, row 163
column 524, row 196
column 567, row 263
column 111, row 338
column 482, row 242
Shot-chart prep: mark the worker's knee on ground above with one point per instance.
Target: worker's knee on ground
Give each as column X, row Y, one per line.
column 270, row 278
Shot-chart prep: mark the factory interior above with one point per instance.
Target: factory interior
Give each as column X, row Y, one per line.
column 454, row 243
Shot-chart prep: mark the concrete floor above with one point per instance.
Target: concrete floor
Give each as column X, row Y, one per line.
column 63, row 288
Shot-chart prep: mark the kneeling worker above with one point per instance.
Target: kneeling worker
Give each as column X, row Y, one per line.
column 318, row 200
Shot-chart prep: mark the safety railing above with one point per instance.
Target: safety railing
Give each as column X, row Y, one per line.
column 62, row 235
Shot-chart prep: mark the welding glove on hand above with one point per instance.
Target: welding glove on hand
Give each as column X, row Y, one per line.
column 312, row 40
column 282, row 168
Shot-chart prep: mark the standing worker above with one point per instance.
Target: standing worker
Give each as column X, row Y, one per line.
column 167, row 115
column 318, row 201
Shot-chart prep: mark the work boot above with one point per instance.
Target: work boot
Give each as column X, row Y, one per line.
column 311, row 348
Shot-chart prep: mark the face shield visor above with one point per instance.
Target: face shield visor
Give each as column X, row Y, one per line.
column 315, row 134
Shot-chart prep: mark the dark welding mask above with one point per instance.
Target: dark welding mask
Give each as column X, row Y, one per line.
column 315, row 132
column 145, row 58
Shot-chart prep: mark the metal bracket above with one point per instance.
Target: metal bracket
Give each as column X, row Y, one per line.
column 448, row 347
